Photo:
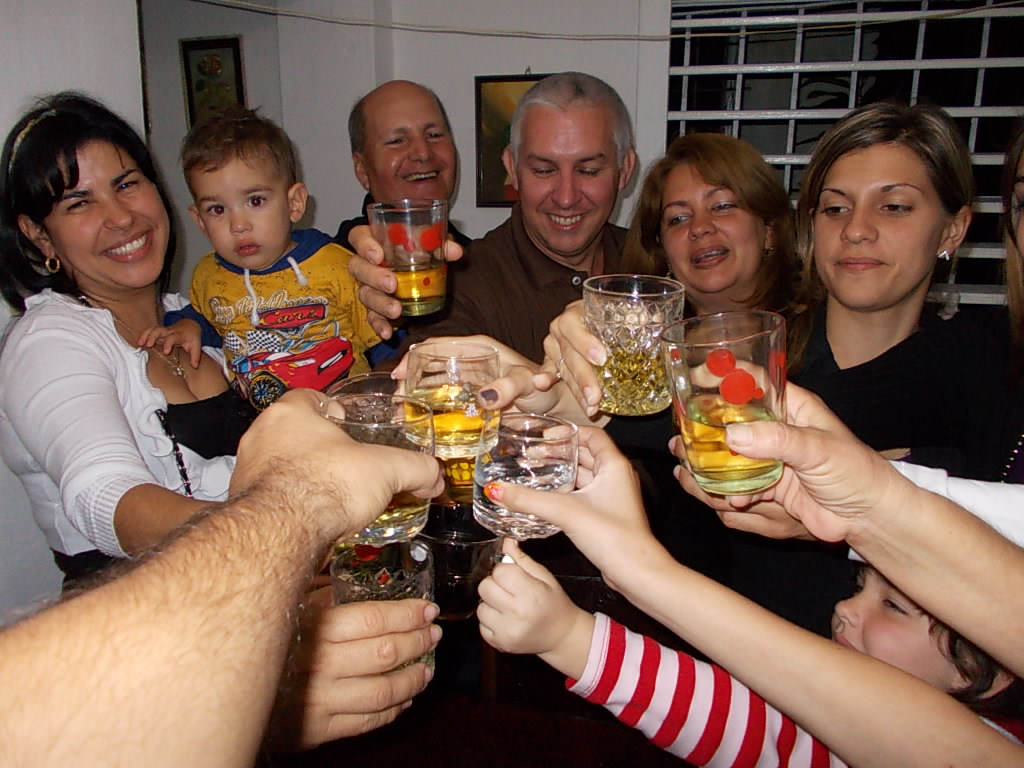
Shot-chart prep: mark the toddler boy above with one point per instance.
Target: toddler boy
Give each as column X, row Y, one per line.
column 282, row 301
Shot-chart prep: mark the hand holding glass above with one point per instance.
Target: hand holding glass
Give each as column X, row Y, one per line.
column 448, row 375
column 363, row 572
column 398, row 421
column 627, row 312
column 726, row 368
column 536, row 451
column 412, row 234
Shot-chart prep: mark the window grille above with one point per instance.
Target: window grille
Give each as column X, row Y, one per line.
column 778, row 74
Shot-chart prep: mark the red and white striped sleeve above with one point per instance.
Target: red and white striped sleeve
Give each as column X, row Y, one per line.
column 696, row 711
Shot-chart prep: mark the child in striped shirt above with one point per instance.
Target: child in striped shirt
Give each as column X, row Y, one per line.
column 697, row 711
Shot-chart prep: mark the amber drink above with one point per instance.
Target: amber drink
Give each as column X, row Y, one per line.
column 412, row 234
column 726, row 369
column 448, row 376
column 458, row 421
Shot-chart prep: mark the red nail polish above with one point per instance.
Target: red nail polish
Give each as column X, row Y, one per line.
column 493, row 491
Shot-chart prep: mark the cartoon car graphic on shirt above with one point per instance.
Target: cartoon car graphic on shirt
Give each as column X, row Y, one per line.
column 265, row 376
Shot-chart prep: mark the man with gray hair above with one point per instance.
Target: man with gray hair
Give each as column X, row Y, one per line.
column 571, row 152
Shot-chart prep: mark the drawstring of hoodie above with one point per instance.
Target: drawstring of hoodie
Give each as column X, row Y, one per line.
column 298, row 272
column 254, row 316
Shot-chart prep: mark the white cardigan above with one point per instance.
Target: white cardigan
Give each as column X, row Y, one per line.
column 78, row 423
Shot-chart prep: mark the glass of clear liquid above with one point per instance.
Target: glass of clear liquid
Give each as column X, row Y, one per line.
column 527, row 449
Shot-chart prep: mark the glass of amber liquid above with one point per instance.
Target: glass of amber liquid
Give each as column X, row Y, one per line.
column 398, row 421
column 627, row 312
column 412, row 234
column 723, row 369
column 448, row 375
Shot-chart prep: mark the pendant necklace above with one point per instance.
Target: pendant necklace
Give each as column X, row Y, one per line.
column 173, row 362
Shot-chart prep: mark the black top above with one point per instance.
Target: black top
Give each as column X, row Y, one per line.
column 211, row 427
column 943, row 393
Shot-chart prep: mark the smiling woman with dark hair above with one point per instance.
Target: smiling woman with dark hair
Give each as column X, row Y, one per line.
column 116, row 443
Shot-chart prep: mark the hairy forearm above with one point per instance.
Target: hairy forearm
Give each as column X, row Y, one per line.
column 844, row 698
column 954, row 565
column 174, row 663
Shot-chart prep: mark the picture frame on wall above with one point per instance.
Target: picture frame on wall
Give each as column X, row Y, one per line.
column 496, row 99
column 212, row 76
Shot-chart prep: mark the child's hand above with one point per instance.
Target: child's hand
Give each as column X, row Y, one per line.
column 523, row 609
column 604, row 516
column 184, row 333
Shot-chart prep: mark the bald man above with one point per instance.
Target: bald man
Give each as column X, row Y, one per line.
column 401, row 147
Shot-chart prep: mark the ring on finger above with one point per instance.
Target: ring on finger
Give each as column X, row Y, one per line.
column 558, row 369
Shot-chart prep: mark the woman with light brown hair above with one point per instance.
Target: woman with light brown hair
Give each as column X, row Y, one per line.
column 714, row 214
column 886, row 195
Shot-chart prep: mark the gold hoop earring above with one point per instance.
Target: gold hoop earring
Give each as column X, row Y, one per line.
column 52, row 264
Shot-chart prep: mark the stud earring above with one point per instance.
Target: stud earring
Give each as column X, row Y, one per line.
column 52, row 264
column 943, row 255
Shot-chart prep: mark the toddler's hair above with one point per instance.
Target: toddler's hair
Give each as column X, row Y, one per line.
column 237, row 133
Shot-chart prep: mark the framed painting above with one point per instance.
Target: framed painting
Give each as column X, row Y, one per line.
column 496, row 99
column 212, row 76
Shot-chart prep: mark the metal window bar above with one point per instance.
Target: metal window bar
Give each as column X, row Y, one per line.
column 747, row 22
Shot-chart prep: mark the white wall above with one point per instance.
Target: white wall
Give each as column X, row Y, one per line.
column 164, row 23
column 45, row 47
column 326, row 67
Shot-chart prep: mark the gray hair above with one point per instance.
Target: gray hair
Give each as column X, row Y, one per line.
column 568, row 90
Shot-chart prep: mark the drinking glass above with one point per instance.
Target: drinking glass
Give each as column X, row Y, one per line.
column 398, row 421
column 527, row 449
column 724, row 369
column 464, row 553
column 627, row 312
column 448, row 375
column 362, row 572
column 412, row 234
column 366, row 384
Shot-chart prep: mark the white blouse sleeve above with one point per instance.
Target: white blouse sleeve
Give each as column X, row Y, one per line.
column 1001, row 505
column 66, row 411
